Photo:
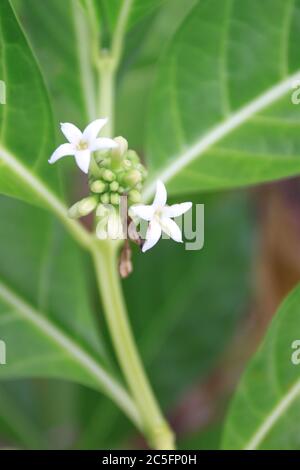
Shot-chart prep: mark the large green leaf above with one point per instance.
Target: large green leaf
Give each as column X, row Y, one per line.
column 62, row 42
column 110, row 10
column 26, row 132
column 45, row 317
column 17, row 421
column 182, row 327
column 136, row 84
column 221, row 112
column 265, row 412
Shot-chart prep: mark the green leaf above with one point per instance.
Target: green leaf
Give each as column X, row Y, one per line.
column 45, row 316
column 17, row 425
column 266, row 408
column 221, row 111
column 137, row 80
column 26, row 132
column 110, row 9
column 62, row 42
column 177, row 316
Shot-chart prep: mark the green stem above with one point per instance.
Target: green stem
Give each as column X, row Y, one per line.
column 106, row 94
column 155, row 427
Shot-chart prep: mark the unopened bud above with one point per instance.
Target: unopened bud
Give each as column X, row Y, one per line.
column 114, row 186
column 101, row 211
column 122, row 147
column 108, row 175
column 126, row 164
column 98, row 186
column 142, row 169
column 121, row 190
column 134, row 196
column 132, row 177
column 83, row 207
column 105, row 198
column 115, row 199
column 133, row 156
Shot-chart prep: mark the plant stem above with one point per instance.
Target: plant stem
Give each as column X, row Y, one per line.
column 155, row 427
column 106, row 94
column 118, row 38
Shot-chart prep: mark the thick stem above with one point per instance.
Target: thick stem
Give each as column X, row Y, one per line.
column 106, row 94
column 154, row 425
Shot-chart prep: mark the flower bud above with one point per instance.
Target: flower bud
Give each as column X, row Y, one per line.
column 108, row 175
column 126, row 164
column 114, row 186
column 121, row 190
column 83, row 207
column 134, row 196
column 133, row 156
column 122, row 147
column 132, row 178
column 115, row 199
column 98, row 186
column 143, row 170
column 101, row 211
column 104, row 198
column 114, row 226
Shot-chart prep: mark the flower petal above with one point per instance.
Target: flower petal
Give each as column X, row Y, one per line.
column 102, row 143
column 142, row 211
column 83, row 158
column 62, row 151
column 161, row 195
column 71, row 132
column 92, row 130
column 177, row 209
column 171, row 229
column 152, row 236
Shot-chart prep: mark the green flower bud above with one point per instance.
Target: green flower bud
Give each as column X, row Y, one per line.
column 120, row 176
column 105, row 163
column 134, row 196
column 115, row 199
column 122, row 147
column 114, row 186
column 98, row 187
column 133, row 156
column 104, row 198
column 132, row 178
column 102, row 211
column 83, row 207
column 121, row 190
column 108, row 175
column 126, row 164
column 142, row 169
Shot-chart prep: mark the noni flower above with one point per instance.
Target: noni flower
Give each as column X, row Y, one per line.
column 159, row 215
column 82, row 144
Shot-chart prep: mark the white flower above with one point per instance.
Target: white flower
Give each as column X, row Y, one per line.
column 159, row 216
column 81, row 144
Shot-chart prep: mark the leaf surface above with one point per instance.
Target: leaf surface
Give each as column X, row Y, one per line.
column 222, row 114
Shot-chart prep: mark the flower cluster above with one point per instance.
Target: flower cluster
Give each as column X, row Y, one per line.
column 118, row 172
column 115, row 171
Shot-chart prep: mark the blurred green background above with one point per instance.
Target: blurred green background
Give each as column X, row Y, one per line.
column 197, row 315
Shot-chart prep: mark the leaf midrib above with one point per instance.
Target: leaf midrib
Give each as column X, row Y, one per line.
column 273, row 417
column 219, row 132
column 107, row 383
